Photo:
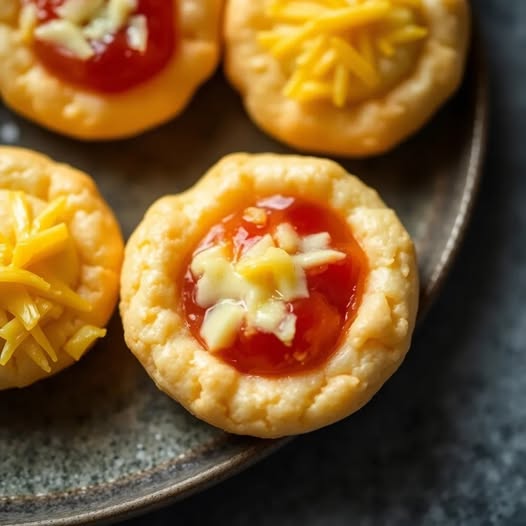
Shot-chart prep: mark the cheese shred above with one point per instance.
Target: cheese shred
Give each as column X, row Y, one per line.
column 37, row 305
column 337, row 50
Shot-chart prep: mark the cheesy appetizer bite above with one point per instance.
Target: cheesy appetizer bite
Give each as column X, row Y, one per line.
column 60, row 257
column 105, row 69
column 273, row 298
column 346, row 77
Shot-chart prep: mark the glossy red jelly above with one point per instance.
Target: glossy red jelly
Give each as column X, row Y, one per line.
column 115, row 67
column 322, row 318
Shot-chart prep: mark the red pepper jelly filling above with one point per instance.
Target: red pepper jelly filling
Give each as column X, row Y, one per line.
column 101, row 46
column 272, row 289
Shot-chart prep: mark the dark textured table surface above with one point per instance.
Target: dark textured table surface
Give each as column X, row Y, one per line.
column 445, row 441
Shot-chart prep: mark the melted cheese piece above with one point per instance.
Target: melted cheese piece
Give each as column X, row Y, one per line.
column 36, row 304
column 254, row 291
column 222, row 324
column 81, row 24
column 255, row 215
column 137, row 33
column 343, row 51
column 79, row 11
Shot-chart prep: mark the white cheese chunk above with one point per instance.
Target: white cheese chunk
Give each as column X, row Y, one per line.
column 112, row 17
column 318, row 258
column 67, row 35
column 218, row 279
column 137, row 33
column 320, row 241
column 255, row 215
column 259, row 248
column 78, row 11
column 217, row 283
column 287, row 238
column 268, row 316
column 98, row 28
column 286, row 330
column 222, row 324
column 274, row 318
column 202, row 260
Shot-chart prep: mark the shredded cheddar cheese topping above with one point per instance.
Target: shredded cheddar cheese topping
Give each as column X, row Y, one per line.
column 254, row 291
column 82, row 25
column 343, row 51
column 39, row 310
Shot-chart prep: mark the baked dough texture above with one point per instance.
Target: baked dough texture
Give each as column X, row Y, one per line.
column 156, row 258
column 361, row 129
column 28, row 88
column 96, row 237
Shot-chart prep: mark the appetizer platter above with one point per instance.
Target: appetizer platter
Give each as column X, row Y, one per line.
column 274, row 230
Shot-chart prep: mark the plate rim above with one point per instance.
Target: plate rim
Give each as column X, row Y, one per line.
column 479, row 142
column 262, row 448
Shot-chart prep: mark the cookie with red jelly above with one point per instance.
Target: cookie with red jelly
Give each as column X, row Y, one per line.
column 274, row 297
column 105, row 69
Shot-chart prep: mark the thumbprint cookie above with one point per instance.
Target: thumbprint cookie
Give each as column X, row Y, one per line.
column 105, row 69
column 345, row 77
column 60, row 258
column 274, row 297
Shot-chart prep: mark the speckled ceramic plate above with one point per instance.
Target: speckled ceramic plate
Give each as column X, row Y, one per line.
column 99, row 440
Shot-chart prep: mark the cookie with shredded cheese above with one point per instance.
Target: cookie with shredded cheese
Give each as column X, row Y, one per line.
column 49, row 88
column 178, row 264
column 60, row 257
column 346, row 77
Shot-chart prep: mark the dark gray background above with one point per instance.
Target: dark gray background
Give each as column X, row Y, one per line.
column 445, row 441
